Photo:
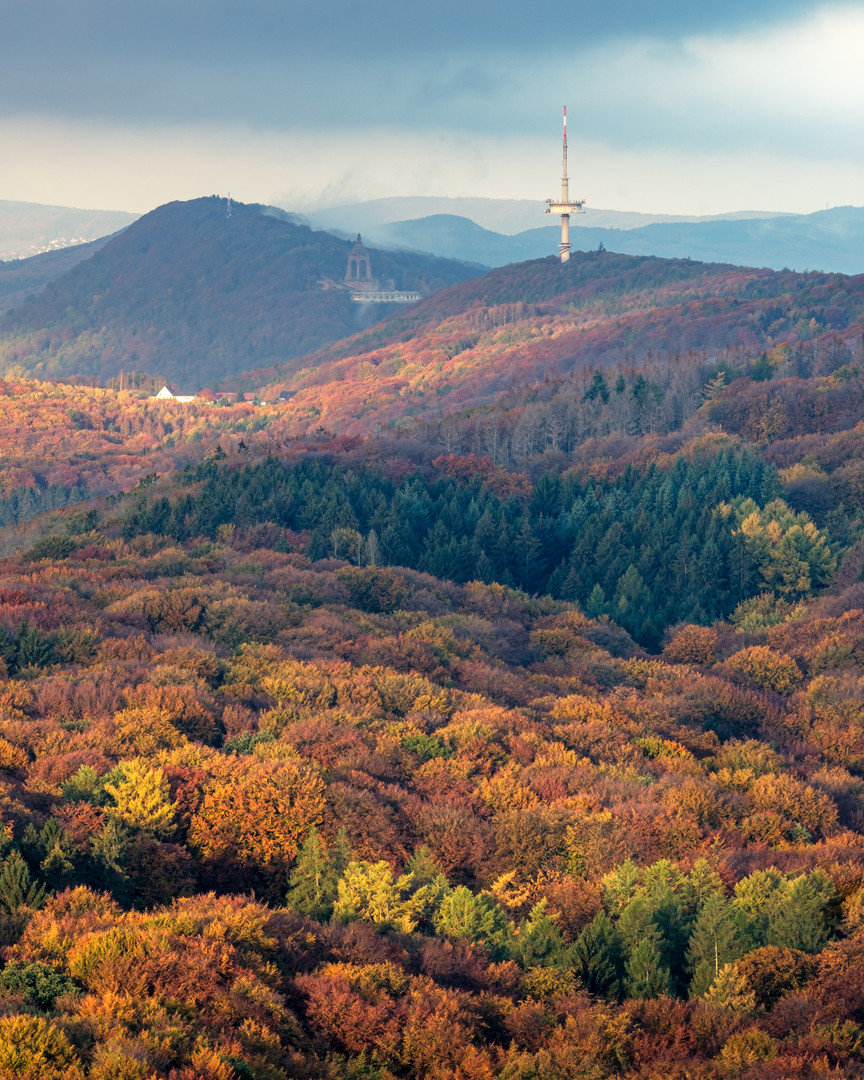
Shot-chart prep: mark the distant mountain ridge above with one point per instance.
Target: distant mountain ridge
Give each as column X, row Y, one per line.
column 193, row 295
column 507, row 216
column 831, row 241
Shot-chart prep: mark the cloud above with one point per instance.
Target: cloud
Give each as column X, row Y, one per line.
column 679, row 107
column 315, row 63
column 794, row 86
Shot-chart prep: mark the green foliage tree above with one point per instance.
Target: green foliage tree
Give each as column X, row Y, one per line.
column 423, row 866
column 60, row 854
column 538, row 941
column 755, row 896
column 51, row 547
column 17, row 889
column 108, row 850
column 597, row 389
column 479, row 919
column 619, row 887
column 646, row 976
column 659, row 913
column 33, row 648
column 84, row 785
column 37, row 984
column 719, row 937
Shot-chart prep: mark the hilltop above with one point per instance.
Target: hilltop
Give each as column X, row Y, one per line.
column 192, row 295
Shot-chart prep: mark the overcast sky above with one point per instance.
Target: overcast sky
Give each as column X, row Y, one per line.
column 676, row 107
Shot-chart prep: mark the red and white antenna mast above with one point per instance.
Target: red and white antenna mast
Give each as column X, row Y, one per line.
column 565, row 207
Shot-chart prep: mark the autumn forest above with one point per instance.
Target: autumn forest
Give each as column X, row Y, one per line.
column 489, row 706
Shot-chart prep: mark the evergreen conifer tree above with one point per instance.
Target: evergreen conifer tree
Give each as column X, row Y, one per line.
column 646, row 975
column 800, row 917
column 718, row 938
column 598, row 957
column 108, row 856
column 314, row 879
column 596, row 602
column 423, row 866
column 474, row 918
column 539, row 942
column 17, row 889
column 58, row 863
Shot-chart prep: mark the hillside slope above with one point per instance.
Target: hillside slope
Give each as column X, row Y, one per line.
column 192, row 295
column 468, row 345
column 270, row 815
column 23, row 278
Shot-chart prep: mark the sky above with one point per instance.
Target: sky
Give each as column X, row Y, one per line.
column 677, row 107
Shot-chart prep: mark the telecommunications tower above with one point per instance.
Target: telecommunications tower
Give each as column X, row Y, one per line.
column 564, row 206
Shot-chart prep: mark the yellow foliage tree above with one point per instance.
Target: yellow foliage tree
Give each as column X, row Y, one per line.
column 769, row 670
column 795, row 800
column 731, row 990
column 141, row 797
column 34, row 1049
column 793, row 554
column 744, row 1050
column 143, row 730
column 369, row 891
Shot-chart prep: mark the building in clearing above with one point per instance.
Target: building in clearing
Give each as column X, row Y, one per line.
column 169, row 393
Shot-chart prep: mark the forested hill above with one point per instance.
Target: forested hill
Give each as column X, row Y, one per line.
column 517, row 325
column 192, row 295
